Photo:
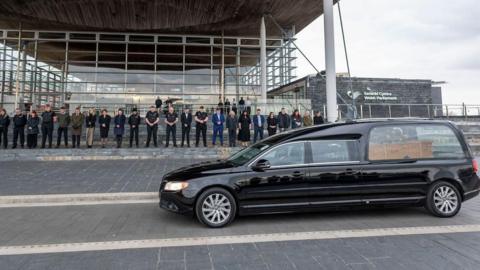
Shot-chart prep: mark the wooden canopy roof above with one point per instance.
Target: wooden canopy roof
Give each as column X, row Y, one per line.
column 234, row 17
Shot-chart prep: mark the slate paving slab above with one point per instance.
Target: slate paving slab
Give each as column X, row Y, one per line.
column 293, row 256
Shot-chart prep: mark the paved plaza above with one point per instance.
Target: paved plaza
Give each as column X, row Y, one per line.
column 430, row 252
column 95, row 176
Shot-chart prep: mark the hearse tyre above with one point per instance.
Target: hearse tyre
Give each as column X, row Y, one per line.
column 443, row 199
column 215, row 207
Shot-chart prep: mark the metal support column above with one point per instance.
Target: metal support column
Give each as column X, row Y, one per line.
column 19, row 48
column 64, row 74
column 23, row 68
column 222, row 72
column 4, row 60
column 263, row 60
column 237, row 76
column 330, row 61
column 184, row 69
column 35, row 76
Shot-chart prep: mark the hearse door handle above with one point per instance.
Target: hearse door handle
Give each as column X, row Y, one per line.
column 297, row 174
column 350, row 172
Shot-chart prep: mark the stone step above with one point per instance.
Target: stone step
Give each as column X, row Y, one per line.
column 77, row 199
column 64, row 154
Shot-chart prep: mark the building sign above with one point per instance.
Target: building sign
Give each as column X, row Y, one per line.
column 373, row 95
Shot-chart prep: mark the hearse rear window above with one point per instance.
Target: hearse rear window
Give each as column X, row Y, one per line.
column 415, row 141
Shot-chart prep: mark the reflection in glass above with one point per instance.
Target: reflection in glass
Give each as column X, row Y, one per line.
column 81, row 70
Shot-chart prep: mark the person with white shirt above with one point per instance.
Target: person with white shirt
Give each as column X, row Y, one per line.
column 201, row 118
column 186, row 120
column 258, row 123
column 218, row 119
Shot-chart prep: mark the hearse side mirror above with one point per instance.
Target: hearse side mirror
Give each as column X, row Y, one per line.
column 261, row 165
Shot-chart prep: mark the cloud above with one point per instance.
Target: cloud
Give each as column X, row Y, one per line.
column 428, row 39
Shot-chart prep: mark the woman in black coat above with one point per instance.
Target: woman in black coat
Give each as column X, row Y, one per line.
column 32, row 129
column 271, row 124
column 296, row 119
column 104, row 122
column 119, row 129
column 244, row 124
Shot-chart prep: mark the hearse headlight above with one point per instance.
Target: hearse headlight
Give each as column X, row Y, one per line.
column 175, row 186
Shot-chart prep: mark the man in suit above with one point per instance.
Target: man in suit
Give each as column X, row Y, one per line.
column 186, row 120
column 63, row 120
column 171, row 119
column 134, row 122
column 152, row 119
column 19, row 123
column 318, row 118
column 201, row 118
column 158, row 104
column 283, row 120
column 218, row 119
column 258, row 124
column 48, row 117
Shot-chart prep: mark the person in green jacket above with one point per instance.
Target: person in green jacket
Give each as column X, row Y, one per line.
column 77, row 119
column 63, row 120
column 307, row 119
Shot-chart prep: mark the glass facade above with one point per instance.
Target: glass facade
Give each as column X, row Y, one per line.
column 121, row 70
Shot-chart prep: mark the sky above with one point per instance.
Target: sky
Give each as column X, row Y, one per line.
column 408, row 39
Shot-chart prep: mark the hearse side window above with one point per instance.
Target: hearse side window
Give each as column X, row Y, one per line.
column 327, row 151
column 287, row 154
column 414, row 141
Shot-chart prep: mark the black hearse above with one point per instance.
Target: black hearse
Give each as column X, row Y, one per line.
column 361, row 163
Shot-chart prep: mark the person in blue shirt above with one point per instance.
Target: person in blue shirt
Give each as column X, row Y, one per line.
column 258, row 124
column 218, row 119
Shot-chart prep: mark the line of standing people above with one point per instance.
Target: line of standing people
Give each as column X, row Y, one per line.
column 238, row 128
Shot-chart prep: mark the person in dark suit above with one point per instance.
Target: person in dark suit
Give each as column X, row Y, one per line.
column 134, row 122
column 19, row 122
column 4, row 123
column 104, row 123
column 218, row 119
column 186, row 120
column 63, row 120
column 171, row 119
column 258, row 124
column 201, row 119
column 283, row 120
column 47, row 126
column 227, row 106
column 151, row 119
column 241, row 105
column 232, row 127
column 220, row 104
column 318, row 118
column 119, row 128
column 271, row 124
column 158, row 104
column 32, row 130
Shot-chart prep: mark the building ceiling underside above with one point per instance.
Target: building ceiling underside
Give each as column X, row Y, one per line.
column 234, row 17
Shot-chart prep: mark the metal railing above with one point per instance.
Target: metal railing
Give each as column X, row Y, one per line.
column 458, row 112
column 435, row 111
